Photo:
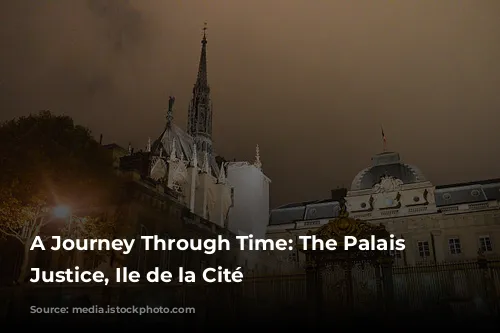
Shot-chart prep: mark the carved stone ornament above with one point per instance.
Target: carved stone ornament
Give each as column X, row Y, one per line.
column 429, row 196
column 388, row 184
column 337, row 229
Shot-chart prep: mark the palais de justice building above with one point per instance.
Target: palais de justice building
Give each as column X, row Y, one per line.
column 439, row 223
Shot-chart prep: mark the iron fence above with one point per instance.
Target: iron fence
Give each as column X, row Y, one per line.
column 466, row 288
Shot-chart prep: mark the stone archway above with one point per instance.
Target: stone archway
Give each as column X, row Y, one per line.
column 350, row 280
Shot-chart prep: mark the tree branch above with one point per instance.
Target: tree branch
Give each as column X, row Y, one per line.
column 32, row 224
column 12, row 233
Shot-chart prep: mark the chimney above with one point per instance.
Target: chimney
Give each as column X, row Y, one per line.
column 339, row 193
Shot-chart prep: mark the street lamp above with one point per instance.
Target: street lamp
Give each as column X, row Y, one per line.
column 61, row 211
column 64, row 212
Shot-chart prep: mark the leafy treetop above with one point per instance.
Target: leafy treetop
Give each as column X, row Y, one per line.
column 47, row 160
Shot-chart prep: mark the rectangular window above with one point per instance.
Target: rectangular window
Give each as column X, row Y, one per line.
column 395, row 254
column 454, row 245
column 423, row 249
column 485, row 244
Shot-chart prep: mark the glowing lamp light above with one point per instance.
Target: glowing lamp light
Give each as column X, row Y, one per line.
column 61, row 211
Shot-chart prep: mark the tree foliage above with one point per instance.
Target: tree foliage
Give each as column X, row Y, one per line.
column 46, row 160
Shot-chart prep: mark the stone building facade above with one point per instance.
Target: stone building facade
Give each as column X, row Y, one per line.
column 439, row 223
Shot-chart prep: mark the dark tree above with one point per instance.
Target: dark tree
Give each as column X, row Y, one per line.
column 51, row 167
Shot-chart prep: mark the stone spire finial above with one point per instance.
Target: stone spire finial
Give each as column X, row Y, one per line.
column 201, row 80
column 173, row 151
column 148, row 147
column 194, row 159
column 222, row 174
column 130, row 148
column 257, row 162
column 170, row 111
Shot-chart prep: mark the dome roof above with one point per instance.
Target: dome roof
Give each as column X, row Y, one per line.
column 383, row 165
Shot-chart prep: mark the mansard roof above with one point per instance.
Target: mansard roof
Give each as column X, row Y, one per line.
column 470, row 192
column 303, row 211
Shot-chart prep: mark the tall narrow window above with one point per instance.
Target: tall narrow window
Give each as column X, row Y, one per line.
column 395, row 254
column 485, row 244
column 454, row 245
column 423, row 249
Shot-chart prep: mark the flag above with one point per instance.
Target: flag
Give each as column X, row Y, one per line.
column 384, row 139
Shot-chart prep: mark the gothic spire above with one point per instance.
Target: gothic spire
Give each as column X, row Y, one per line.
column 200, row 108
column 202, row 79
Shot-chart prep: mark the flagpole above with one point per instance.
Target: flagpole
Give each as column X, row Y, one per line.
column 384, row 139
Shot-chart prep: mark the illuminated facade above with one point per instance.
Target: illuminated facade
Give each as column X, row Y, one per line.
column 439, row 223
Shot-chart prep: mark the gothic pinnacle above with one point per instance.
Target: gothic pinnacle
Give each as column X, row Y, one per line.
column 206, row 164
column 194, row 160
column 173, row 151
column 222, row 174
column 170, row 111
column 257, row 162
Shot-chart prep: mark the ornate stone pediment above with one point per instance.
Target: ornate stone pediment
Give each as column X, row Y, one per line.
column 388, row 184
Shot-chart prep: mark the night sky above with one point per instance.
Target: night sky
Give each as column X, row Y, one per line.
column 310, row 81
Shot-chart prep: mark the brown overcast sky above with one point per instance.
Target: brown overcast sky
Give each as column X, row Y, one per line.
column 310, row 81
